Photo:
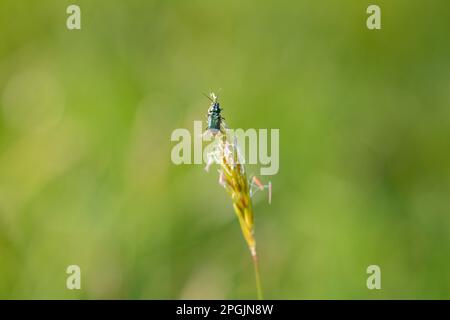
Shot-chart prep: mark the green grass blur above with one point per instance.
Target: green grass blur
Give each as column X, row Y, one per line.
column 85, row 170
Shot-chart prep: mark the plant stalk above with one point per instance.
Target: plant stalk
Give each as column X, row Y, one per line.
column 257, row 274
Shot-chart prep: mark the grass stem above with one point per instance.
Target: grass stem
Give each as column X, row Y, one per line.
column 257, row 274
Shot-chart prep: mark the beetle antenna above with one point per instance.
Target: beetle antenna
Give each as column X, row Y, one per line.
column 208, row 97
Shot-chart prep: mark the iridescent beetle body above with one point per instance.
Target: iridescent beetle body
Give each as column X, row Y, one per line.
column 214, row 117
column 215, row 123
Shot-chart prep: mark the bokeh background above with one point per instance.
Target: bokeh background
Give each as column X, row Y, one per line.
column 85, row 170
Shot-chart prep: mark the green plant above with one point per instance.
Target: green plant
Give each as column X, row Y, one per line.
column 234, row 179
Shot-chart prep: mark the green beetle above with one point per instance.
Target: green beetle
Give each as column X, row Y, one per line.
column 215, row 119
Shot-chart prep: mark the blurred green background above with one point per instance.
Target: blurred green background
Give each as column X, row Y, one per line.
column 85, row 170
